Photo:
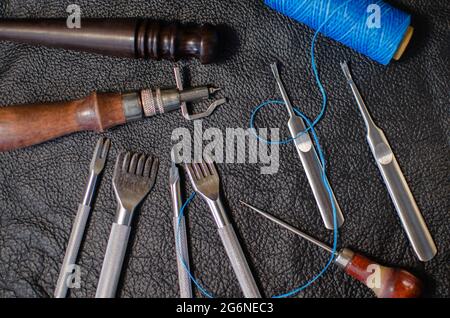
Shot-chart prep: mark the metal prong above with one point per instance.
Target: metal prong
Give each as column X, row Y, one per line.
column 346, row 71
column 213, row 90
column 178, row 79
column 99, row 156
column 283, row 92
column 275, row 71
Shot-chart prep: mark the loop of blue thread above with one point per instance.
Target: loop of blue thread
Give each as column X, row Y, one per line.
column 351, row 28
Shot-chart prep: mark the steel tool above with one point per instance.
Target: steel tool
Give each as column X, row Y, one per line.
column 310, row 160
column 134, row 177
column 179, row 225
column 79, row 225
column 385, row 282
column 407, row 209
column 205, row 179
column 27, row 125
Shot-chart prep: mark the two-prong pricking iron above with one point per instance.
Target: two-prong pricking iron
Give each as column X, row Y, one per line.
column 410, row 216
column 310, row 160
column 134, row 177
column 79, row 225
column 205, row 180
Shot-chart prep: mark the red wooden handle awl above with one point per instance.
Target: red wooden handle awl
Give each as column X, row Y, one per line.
column 385, row 282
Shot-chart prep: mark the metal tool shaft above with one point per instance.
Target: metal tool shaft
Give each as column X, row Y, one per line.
column 404, row 202
column 290, row 228
column 179, row 225
column 310, row 161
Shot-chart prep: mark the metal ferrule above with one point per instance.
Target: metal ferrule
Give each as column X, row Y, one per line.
column 132, row 107
column 159, row 101
column 123, row 216
column 344, row 257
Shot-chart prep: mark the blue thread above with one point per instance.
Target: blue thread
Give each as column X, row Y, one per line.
column 350, row 27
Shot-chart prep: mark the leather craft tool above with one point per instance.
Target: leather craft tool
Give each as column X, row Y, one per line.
column 407, row 209
column 134, row 177
column 79, row 225
column 26, row 125
column 385, row 282
column 310, row 160
column 179, row 226
column 132, row 38
column 205, row 180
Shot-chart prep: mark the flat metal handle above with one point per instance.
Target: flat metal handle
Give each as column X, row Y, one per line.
column 182, row 248
column 407, row 209
column 73, row 247
column 112, row 263
column 313, row 170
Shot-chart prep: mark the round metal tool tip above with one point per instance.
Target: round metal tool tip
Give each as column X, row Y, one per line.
column 213, row 90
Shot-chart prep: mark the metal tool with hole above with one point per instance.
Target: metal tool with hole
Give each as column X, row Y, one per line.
column 179, row 226
column 134, row 177
column 205, row 179
column 79, row 225
column 310, row 161
column 407, row 209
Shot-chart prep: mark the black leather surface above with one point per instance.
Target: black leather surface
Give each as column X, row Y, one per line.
column 41, row 186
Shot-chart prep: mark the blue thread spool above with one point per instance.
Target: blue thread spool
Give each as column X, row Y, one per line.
column 371, row 27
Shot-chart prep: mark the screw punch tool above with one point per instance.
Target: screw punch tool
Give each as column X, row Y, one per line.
column 79, row 225
column 390, row 282
column 205, row 180
column 309, row 159
column 407, row 209
column 134, row 177
column 181, row 242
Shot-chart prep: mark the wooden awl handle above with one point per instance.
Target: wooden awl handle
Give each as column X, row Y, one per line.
column 26, row 125
column 385, row 282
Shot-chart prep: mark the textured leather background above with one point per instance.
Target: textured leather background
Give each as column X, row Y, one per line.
column 41, row 186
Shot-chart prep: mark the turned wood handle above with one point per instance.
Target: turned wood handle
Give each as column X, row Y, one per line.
column 26, row 125
column 385, row 282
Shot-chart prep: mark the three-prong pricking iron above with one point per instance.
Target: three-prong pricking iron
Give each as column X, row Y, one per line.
column 134, row 177
column 79, row 225
column 205, row 180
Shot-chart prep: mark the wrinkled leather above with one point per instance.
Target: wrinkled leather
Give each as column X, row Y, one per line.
column 41, row 186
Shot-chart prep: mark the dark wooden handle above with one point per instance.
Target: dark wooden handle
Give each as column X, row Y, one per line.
column 26, row 125
column 386, row 282
column 133, row 38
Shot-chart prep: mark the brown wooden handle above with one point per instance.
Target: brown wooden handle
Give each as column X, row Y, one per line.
column 386, row 282
column 26, row 125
